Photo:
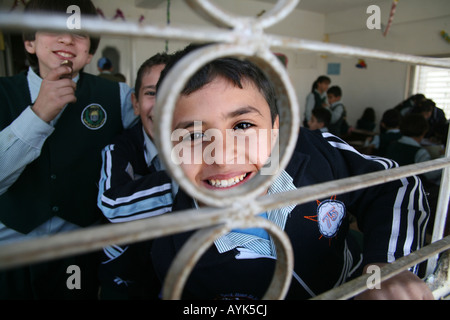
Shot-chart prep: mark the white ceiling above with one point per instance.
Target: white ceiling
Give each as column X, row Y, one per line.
column 318, row 6
column 330, row 6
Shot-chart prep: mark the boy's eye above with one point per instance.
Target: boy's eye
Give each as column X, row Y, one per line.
column 243, row 126
column 194, row 136
column 150, row 93
column 81, row 35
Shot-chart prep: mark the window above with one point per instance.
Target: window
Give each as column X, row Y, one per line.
column 434, row 83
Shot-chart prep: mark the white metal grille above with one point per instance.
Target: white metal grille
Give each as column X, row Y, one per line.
column 244, row 36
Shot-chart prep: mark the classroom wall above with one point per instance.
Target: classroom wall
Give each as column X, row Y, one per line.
column 302, row 67
column 415, row 30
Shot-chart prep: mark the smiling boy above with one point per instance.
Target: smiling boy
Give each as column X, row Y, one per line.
column 248, row 116
column 134, row 186
column 52, row 131
column 235, row 98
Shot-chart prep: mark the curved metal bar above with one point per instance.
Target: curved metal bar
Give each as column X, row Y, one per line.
column 248, row 33
column 358, row 285
column 199, row 242
column 51, row 22
column 288, row 112
column 94, row 238
column 222, row 18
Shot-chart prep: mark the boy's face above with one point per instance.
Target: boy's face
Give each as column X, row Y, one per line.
column 211, row 121
column 53, row 48
column 144, row 102
column 332, row 98
column 323, row 86
column 313, row 124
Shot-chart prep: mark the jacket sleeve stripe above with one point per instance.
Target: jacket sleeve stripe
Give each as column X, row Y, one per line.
column 410, row 208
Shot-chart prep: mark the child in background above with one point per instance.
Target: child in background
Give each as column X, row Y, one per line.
column 408, row 150
column 134, row 186
column 389, row 131
column 54, row 121
column 317, row 98
column 338, row 123
column 320, row 119
column 367, row 120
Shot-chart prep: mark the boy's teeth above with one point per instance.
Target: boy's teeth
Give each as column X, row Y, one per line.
column 66, row 55
column 226, row 183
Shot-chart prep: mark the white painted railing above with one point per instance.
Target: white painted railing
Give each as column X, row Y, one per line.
column 242, row 36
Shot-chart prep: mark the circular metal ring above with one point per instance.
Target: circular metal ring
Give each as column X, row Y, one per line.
column 199, row 243
column 223, row 18
column 173, row 85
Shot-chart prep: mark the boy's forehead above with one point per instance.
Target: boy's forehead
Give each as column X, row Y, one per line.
column 221, row 84
column 218, row 92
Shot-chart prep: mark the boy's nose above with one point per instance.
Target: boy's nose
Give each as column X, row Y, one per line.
column 66, row 38
column 221, row 150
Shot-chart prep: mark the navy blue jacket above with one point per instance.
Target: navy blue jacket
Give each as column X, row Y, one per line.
column 322, row 261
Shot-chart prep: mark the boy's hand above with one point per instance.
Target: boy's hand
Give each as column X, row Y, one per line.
column 54, row 94
column 404, row 286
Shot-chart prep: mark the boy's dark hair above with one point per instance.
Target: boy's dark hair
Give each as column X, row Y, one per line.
column 335, row 91
column 413, row 125
column 230, row 68
column 391, row 118
column 87, row 8
column 322, row 115
column 426, row 105
column 159, row 58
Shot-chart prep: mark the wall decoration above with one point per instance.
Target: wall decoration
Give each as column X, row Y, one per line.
column 283, row 58
column 361, row 64
column 445, row 36
column 326, row 39
column 391, row 17
column 168, row 23
column 334, row 69
column 16, row 3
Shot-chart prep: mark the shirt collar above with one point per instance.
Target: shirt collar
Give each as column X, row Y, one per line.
column 150, row 148
column 409, row 141
column 282, row 183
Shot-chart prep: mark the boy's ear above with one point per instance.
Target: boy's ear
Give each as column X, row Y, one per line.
column 275, row 130
column 89, row 58
column 276, row 123
column 135, row 103
column 29, row 46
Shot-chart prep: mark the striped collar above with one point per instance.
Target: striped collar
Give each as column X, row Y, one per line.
column 265, row 247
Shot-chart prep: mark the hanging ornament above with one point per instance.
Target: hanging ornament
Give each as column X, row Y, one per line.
column 100, row 13
column 445, row 36
column 391, row 17
column 119, row 14
column 326, row 39
column 16, row 3
column 282, row 57
column 168, row 23
column 361, row 64
column 261, row 13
